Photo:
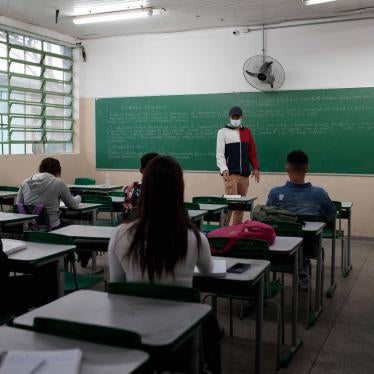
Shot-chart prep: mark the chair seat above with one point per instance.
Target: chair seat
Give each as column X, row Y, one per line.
column 328, row 234
column 207, row 227
column 106, row 222
column 84, row 281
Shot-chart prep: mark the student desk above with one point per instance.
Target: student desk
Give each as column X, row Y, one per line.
column 216, row 208
column 162, row 325
column 7, row 198
column 346, row 213
column 44, row 259
column 96, row 358
column 8, row 194
column 312, row 235
column 14, row 218
column 241, row 285
column 209, row 208
column 117, row 203
column 100, row 188
column 243, row 203
column 285, row 246
column 86, row 233
column 82, row 208
column 197, row 216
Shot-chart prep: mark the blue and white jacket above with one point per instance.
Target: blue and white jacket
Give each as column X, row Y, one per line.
column 236, row 151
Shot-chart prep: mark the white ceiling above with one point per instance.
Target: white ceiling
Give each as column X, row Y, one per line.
column 180, row 14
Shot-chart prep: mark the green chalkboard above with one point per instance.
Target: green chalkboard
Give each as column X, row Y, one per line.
column 334, row 126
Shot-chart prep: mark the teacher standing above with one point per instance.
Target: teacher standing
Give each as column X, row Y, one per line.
column 236, row 153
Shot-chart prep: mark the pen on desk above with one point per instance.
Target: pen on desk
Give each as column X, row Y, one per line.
column 37, row 367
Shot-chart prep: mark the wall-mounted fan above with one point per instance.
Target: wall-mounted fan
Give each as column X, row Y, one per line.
column 264, row 73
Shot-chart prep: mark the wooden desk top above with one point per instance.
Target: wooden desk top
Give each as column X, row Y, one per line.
column 83, row 207
column 39, row 252
column 285, row 244
column 96, row 359
column 196, row 214
column 313, row 227
column 347, row 204
column 94, row 187
column 86, row 232
column 16, row 217
column 8, row 193
column 258, row 267
column 213, row 208
column 160, row 323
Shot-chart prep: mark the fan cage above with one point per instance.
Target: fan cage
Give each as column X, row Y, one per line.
column 254, row 63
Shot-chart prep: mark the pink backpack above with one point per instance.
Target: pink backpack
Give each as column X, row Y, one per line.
column 248, row 229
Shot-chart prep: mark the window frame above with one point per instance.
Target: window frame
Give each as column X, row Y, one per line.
column 38, row 128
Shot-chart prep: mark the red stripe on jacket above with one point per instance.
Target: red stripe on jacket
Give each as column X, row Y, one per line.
column 246, row 137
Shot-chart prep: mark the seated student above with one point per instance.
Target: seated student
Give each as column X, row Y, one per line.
column 160, row 244
column 132, row 191
column 299, row 197
column 47, row 188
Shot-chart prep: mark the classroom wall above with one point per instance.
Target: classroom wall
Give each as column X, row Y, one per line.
column 323, row 56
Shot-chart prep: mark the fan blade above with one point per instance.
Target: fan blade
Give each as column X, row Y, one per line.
column 266, row 67
column 251, row 74
column 270, row 79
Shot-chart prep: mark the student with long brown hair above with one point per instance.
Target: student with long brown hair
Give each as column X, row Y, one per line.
column 160, row 244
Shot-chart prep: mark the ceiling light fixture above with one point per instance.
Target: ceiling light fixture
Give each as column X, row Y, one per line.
column 113, row 16
column 314, row 2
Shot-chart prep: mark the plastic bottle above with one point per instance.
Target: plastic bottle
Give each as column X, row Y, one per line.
column 108, row 181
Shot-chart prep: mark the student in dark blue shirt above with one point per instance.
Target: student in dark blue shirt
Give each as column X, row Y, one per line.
column 299, row 197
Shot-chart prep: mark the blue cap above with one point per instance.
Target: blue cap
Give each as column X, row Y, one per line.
column 235, row 110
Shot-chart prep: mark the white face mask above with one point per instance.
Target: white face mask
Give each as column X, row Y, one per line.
column 235, row 122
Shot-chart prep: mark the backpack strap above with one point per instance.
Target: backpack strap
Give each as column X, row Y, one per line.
column 226, row 248
column 38, row 208
column 21, row 208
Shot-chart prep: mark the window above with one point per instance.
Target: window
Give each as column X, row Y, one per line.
column 36, row 95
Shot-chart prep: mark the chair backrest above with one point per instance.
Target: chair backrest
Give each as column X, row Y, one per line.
column 209, row 200
column 286, row 228
column 105, row 201
column 42, row 221
column 338, row 207
column 9, row 188
column 243, row 248
column 156, row 291
column 47, row 237
column 116, row 193
column 191, row 206
column 87, row 332
column 84, row 181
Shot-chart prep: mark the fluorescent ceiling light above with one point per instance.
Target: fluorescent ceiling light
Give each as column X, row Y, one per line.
column 113, row 16
column 314, row 2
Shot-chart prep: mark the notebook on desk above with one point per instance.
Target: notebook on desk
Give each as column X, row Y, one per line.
column 219, row 269
column 11, row 246
column 66, row 361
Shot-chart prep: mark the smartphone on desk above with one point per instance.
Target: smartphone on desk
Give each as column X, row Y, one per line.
column 238, row 268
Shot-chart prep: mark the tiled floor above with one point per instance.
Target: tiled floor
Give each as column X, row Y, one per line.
column 342, row 341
